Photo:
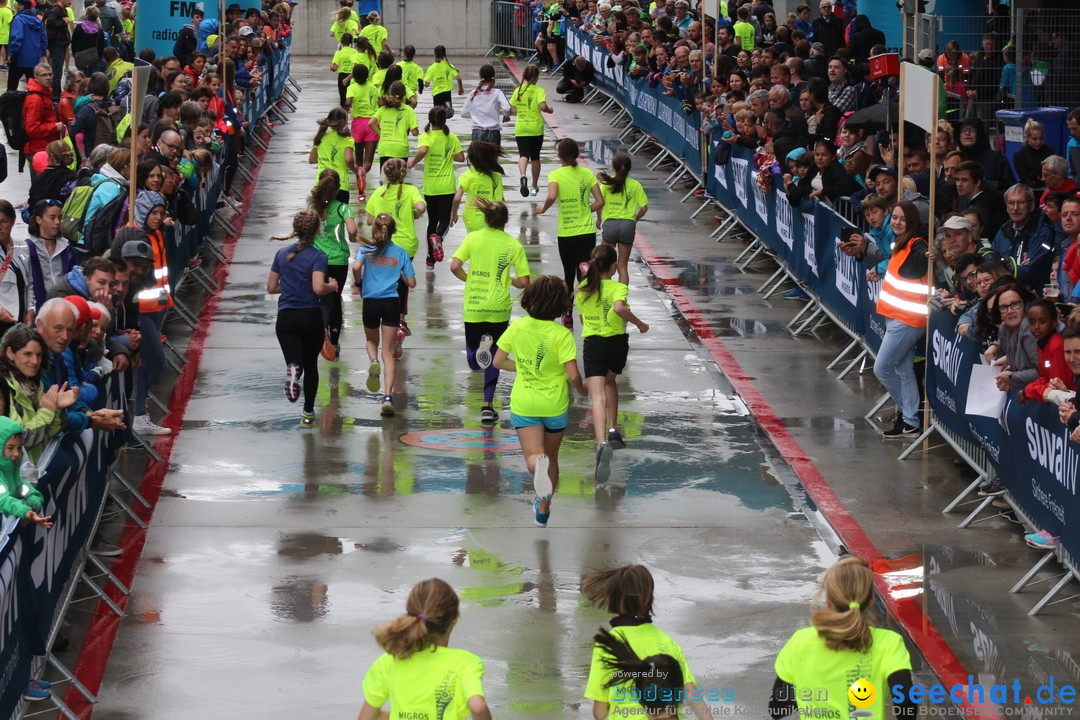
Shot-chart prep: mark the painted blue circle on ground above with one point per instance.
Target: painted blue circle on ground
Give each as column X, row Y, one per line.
column 458, row 439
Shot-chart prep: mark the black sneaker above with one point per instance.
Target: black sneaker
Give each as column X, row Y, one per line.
column 615, row 439
column 524, row 187
column 901, row 430
column 993, row 489
column 603, row 462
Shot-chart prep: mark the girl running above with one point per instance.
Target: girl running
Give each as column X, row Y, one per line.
column 488, row 108
column 602, row 304
column 403, row 203
column 570, row 186
column 418, row 684
column 299, row 273
column 491, row 253
column 393, row 122
column 338, row 230
column 376, row 34
column 379, row 269
column 393, row 74
column 483, row 180
column 365, row 54
column 382, row 62
column 440, row 78
column 411, row 73
column 439, row 149
column 624, row 204
column 333, row 148
column 342, row 63
column 362, row 99
column 545, row 358
column 529, row 99
column 626, row 591
column 840, row 644
column 343, row 23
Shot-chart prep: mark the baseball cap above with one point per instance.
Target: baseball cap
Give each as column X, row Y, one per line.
column 926, row 54
column 83, row 314
column 247, row 30
column 882, row 169
column 958, row 222
column 820, row 47
column 137, row 249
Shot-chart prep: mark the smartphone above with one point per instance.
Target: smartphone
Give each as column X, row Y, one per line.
column 845, row 235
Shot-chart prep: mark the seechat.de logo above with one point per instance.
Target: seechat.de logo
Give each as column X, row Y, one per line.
column 862, row 694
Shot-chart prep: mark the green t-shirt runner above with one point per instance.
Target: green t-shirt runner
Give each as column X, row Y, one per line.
column 395, row 124
column 526, row 99
column 376, row 35
column 365, row 99
column 575, row 186
column 331, row 153
column 541, row 349
column 597, row 310
column 478, row 184
column 410, row 73
column 440, row 76
column 623, row 205
column 439, row 161
column 338, row 29
column 645, row 640
column 333, row 239
column 344, row 59
column 433, row 683
column 387, row 199
column 490, row 254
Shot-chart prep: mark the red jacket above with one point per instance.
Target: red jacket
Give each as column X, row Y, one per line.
column 39, row 117
column 1051, row 365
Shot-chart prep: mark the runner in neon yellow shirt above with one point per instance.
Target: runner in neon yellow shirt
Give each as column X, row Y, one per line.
column 419, row 673
column 342, row 63
column 5, row 29
column 394, row 121
column 333, row 148
column 362, row 100
column 483, row 179
column 636, row 649
column 491, row 253
column 545, row 360
column 439, row 149
column 440, row 78
column 404, row 204
column 376, row 34
column 365, row 54
column 624, row 204
column 343, row 23
column 571, row 186
column 604, row 310
column 529, row 100
column 839, row 648
column 411, row 73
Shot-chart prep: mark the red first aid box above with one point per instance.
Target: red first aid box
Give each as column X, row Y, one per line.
column 884, row 65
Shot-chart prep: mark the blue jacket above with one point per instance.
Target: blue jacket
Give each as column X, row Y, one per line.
column 75, row 420
column 105, row 190
column 28, row 41
column 1030, row 248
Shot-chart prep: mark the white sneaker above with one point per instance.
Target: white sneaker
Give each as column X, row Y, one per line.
column 143, row 425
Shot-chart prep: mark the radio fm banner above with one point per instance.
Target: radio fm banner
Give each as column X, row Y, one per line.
column 158, row 23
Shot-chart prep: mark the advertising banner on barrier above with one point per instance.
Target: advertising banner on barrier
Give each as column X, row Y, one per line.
column 16, row 610
column 159, row 23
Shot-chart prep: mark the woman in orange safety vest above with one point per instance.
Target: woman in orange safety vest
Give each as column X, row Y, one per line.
column 154, row 299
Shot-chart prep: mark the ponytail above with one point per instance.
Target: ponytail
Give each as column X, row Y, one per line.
column 657, row 679
column 431, row 611
column 437, row 120
column 335, row 120
column 621, row 165
column 382, row 230
column 394, row 170
column 568, row 151
column 305, row 228
column 325, row 192
column 602, row 260
column 487, row 77
column 440, row 54
column 843, row 622
column 495, row 213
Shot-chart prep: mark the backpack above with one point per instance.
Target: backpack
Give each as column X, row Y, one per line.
column 73, row 214
column 108, row 117
column 11, row 116
column 98, row 234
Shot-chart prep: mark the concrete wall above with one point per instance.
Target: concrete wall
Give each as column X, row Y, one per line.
column 463, row 26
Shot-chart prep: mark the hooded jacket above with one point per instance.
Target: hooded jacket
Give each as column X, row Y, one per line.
column 88, row 35
column 1030, row 248
column 997, row 175
column 158, row 295
column 863, row 37
column 28, row 41
column 44, row 270
column 39, row 117
column 108, row 185
column 17, row 497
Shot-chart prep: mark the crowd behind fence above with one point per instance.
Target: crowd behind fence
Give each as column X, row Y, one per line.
column 41, row 568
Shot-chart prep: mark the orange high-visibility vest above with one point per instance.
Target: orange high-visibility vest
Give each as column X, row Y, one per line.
column 158, row 296
column 903, row 299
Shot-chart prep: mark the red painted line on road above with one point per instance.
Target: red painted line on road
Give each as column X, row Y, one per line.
column 101, row 634
column 906, row 611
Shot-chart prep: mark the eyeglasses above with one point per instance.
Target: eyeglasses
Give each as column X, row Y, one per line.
column 968, row 277
column 177, row 148
column 1012, row 306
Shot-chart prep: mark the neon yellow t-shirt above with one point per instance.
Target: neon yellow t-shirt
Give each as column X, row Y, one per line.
column 368, row 61
column 349, row 26
column 744, row 34
column 527, row 99
column 410, row 73
column 598, row 316
column 541, row 348
column 129, row 26
column 5, row 24
column 439, row 161
column 365, row 99
column 623, row 205
column 400, row 206
column 419, row 686
column 376, row 78
column 575, row 185
column 375, row 34
column 395, row 124
column 645, row 640
column 440, row 76
column 478, row 184
column 345, row 58
column 331, row 151
column 490, row 254
column 806, row 662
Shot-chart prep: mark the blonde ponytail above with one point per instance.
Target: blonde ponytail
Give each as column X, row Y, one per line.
column 844, row 620
column 432, row 609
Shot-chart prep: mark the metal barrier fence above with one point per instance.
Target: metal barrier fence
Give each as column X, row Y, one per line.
column 511, row 26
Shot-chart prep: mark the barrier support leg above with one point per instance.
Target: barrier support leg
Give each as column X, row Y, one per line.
column 102, row 595
column 660, row 157
column 145, row 445
column 970, row 519
column 734, row 226
column 960, row 499
column 806, row 308
column 779, row 272
column 157, row 403
column 776, row 287
column 1024, row 581
column 130, row 488
column 124, row 590
column 851, row 366
column 70, row 677
column 61, row 707
column 687, row 196
column 127, row 509
column 1069, row 575
column 704, row 205
column 914, row 446
column 726, row 223
column 818, row 312
column 843, row 353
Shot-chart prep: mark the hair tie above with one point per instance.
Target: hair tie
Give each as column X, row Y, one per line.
column 854, row 605
column 421, row 616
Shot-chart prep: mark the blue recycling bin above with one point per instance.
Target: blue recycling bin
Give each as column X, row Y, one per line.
column 1055, row 131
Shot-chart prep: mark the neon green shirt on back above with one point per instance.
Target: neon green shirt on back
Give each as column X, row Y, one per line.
column 433, row 683
column 331, row 151
column 745, row 32
column 395, row 124
column 806, row 662
column 339, row 29
column 345, row 58
column 477, row 184
column 410, row 73
column 375, row 34
column 400, row 206
column 440, row 76
column 575, row 186
column 645, row 640
column 365, row 99
column 541, row 348
column 5, row 25
column 439, row 161
column 527, row 99
column 490, row 254
column 597, row 310
column 623, row 205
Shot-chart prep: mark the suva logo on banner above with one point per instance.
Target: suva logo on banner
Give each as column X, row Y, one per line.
column 759, row 203
column 785, row 220
column 809, row 243
column 847, row 277
column 740, row 167
column 947, row 355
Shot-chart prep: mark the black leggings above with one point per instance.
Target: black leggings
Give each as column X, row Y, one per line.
column 574, row 250
column 300, row 334
column 438, row 211
column 331, row 302
column 341, row 87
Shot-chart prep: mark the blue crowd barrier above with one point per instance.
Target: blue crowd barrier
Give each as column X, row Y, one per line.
column 38, row 567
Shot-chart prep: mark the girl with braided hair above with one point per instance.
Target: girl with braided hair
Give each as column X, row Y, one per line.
column 299, row 273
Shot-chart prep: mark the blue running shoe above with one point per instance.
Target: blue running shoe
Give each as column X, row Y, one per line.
column 796, row 294
column 540, row 518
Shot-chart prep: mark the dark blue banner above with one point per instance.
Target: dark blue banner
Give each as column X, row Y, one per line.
column 16, row 619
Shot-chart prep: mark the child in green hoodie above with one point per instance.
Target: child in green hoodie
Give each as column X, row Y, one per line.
column 17, row 497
